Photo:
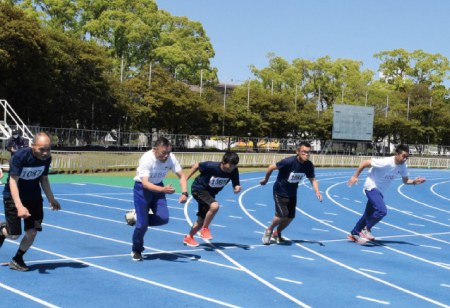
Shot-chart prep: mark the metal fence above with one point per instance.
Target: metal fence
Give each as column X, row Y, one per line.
column 64, row 161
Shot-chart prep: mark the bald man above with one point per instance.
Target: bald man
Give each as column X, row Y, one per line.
column 22, row 196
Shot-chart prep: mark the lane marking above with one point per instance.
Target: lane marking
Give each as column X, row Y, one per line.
column 261, row 204
column 430, row 216
column 105, row 197
column 346, row 198
column 310, row 259
column 330, row 213
column 40, row 301
column 213, row 225
column 358, row 201
column 324, row 220
column 78, row 184
column 335, row 196
column 268, row 284
column 288, row 280
column 251, row 210
column 230, row 200
column 424, row 204
column 431, row 247
column 416, row 225
column 373, row 300
column 445, row 285
column 376, row 252
column 99, row 205
column 259, row 232
column 367, row 270
column 319, row 230
column 236, row 217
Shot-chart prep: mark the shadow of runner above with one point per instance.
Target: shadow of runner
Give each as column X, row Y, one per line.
column 43, row 267
column 303, row 242
column 385, row 242
column 208, row 247
column 173, row 257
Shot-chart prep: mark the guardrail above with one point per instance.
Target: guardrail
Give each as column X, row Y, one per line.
column 70, row 162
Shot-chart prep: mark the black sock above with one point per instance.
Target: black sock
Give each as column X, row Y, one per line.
column 19, row 254
column 1, row 231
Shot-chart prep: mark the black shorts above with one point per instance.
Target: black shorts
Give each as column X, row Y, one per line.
column 204, row 200
column 285, row 207
column 14, row 224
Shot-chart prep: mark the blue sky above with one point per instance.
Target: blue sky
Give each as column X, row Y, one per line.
column 243, row 32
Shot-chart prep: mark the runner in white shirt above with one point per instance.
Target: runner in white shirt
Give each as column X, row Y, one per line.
column 380, row 176
column 150, row 192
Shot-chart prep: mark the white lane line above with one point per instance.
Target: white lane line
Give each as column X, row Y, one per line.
column 215, row 225
column 431, row 216
column 260, row 204
column 358, row 201
column 259, row 232
column 100, row 205
column 342, row 264
column 346, row 198
column 330, row 214
column 174, row 207
column 319, row 230
column 310, row 259
column 105, row 197
column 373, row 300
column 424, row 204
column 324, row 220
column 230, row 200
column 78, row 184
column 375, row 228
column 335, row 196
column 288, row 280
column 40, row 301
column 268, row 284
column 97, row 194
column 408, row 212
column 445, row 285
column 236, row 217
column 176, row 218
column 416, row 225
column 366, row 270
column 431, row 246
column 376, row 252
column 251, row 210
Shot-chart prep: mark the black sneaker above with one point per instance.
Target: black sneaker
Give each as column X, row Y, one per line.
column 18, row 265
column 136, row 256
column 2, row 237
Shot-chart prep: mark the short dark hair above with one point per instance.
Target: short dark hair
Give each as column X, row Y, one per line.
column 162, row 141
column 305, row 144
column 40, row 134
column 401, row 148
column 231, row 158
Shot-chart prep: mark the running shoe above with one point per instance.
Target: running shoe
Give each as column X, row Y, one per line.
column 190, row 241
column 278, row 238
column 366, row 233
column 266, row 237
column 2, row 237
column 18, row 265
column 136, row 256
column 356, row 238
column 206, row 234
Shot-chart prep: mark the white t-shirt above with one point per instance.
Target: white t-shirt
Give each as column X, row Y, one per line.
column 383, row 172
column 156, row 171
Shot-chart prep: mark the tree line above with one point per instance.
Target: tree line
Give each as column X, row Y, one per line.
column 96, row 64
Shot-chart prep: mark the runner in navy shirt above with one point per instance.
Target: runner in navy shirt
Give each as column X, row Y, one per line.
column 212, row 179
column 291, row 172
column 22, row 197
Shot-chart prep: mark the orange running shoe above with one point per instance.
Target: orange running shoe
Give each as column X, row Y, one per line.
column 206, row 234
column 190, row 241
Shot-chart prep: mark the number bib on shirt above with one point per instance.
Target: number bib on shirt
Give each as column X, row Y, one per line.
column 31, row 173
column 218, row 182
column 295, row 177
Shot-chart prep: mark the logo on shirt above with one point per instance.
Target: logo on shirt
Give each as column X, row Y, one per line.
column 218, row 182
column 295, row 177
column 389, row 176
column 31, row 173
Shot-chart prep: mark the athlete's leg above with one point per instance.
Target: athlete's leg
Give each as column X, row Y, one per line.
column 28, row 239
column 213, row 209
column 284, row 223
column 196, row 226
column 160, row 211
column 362, row 222
column 379, row 207
column 142, row 206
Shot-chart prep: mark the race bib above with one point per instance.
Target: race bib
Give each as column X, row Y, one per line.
column 31, row 173
column 295, row 177
column 218, row 182
column 158, row 175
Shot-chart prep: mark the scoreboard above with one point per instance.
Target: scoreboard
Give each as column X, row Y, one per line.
column 352, row 122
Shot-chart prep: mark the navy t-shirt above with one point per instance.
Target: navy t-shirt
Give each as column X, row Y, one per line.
column 213, row 179
column 30, row 170
column 290, row 173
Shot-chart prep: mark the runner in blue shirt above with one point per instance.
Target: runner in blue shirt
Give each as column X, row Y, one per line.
column 212, row 179
column 291, row 172
column 22, row 196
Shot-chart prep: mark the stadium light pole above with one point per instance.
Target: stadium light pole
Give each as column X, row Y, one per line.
column 224, row 102
column 407, row 114
column 201, row 82
column 248, row 96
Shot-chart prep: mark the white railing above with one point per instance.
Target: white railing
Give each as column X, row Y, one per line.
column 64, row 161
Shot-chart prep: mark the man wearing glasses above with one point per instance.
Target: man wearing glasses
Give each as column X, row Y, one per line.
column 382, row 173
column 291, row 172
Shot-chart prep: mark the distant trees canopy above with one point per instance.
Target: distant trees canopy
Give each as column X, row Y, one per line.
column 86, row 63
